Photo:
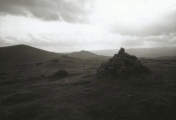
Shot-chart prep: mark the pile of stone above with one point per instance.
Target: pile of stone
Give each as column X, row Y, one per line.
column 122, row 65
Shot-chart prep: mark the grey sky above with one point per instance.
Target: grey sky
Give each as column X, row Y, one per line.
column 165, row 25
column 49, row 10
column 71, row 25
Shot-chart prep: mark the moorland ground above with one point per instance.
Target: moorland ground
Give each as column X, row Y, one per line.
column 29, row 91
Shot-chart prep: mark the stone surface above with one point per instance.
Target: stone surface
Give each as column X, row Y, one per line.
column 122, row 65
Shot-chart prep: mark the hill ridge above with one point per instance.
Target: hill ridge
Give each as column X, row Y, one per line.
column 24, row 54
column 142, row 52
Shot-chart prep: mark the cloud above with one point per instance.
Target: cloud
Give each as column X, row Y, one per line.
column 165, row 40
column 78, row 41
column 3, row 42
column 165, row 25
column 63, row 42
column 137, row 23
column 168, row 40
column 136, row 17
column 133, row 42
column 49, row 10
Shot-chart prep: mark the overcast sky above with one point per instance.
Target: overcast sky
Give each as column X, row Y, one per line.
column 73, row 25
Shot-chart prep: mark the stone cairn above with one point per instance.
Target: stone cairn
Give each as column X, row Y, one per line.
column 122, row 65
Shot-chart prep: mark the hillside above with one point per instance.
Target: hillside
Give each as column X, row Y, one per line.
column 24, row 54
column 44, row 92
column 86, row 55
column 35, row 92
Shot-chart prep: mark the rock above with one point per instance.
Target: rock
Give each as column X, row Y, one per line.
column 124, row 54
column 55, row 60
column 61, row 73
column 111, row 69
column 134, row 57
column 122, row 71
column 122, row 65
column 102, row 73
column 121, row 51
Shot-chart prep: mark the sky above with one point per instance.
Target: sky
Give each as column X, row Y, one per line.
column 73, row 25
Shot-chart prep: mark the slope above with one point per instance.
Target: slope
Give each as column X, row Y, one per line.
column 23, row 54
column 86, row 55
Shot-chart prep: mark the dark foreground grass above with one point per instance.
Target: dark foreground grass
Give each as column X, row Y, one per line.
column 86, row 97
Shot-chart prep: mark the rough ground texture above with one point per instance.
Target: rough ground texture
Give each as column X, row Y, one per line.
column 122, row 65
column 61, row 73
column 28, row 92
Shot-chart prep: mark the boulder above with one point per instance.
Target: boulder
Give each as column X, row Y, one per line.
column 61, row 73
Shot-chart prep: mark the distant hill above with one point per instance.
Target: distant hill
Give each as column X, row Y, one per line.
column 141, row 52
column 167, row 58
column 86, row 55
column 24, row 54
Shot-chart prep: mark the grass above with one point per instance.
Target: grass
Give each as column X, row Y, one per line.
column 83, row 96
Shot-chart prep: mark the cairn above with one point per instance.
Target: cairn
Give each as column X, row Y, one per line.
column 122, row 65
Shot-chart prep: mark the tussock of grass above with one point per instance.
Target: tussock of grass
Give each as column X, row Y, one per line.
column 61, row 73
